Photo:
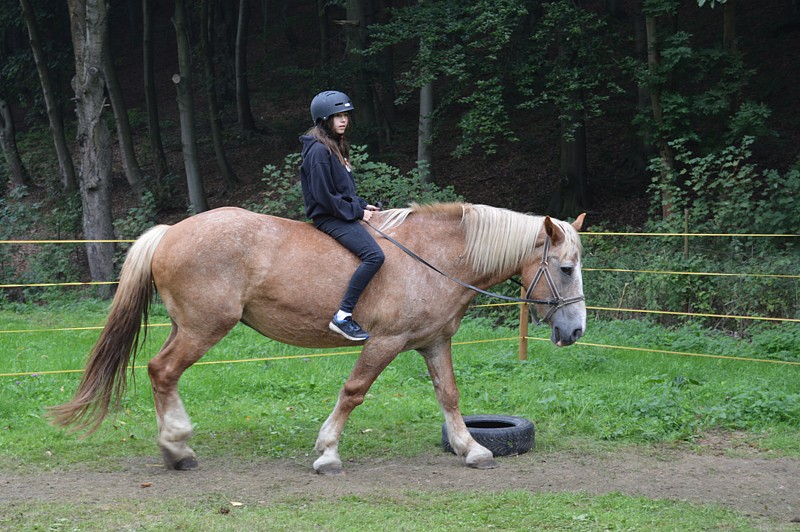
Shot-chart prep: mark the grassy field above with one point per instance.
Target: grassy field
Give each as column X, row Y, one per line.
column 512, row 510
column 582, row 397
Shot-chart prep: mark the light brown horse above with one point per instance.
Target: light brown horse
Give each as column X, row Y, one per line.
column 285, row 278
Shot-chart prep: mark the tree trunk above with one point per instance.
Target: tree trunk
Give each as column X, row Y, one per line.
column 666, row 156
column 225, row 23
column 363, row 99
column 133, row 173
column 265, row 20
column 570, row 199
column 68, row 181
column 642, row 144
column 385, row 89
column 160, row 168
column 183, row 86
column 729, row 26
column 324, row 49
column 243, row 110
column 207, row 38
column 8, row 141
column 425, row 138
column 88, row 22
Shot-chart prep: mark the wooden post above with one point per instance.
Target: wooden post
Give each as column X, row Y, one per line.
column 523, row 327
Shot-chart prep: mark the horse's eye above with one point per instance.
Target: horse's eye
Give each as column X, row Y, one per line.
column 567, row 270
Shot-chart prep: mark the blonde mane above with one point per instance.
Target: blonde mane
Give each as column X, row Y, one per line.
column 497, row 239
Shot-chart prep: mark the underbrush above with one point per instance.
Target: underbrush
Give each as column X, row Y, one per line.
column 735, row 277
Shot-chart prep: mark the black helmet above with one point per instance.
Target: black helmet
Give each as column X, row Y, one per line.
column 328, row 103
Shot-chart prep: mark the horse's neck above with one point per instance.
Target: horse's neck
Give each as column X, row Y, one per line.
column 441, row 241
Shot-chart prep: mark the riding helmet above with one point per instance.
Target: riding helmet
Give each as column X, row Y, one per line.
column 328, row 103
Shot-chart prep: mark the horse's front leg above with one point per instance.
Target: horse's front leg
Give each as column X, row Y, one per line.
column 440, row 366
column 369, row 365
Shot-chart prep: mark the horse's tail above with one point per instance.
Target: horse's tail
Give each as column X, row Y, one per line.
column 105, row 373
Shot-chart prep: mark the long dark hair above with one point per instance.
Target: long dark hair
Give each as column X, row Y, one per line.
column 336, row 144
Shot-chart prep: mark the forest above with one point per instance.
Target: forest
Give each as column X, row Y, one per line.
column 657, row 114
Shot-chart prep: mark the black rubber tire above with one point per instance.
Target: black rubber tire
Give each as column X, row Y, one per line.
column 503, row 435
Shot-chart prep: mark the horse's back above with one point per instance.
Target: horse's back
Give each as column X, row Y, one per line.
column 231, row 264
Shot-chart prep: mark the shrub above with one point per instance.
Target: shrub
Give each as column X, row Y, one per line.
column 376, row 182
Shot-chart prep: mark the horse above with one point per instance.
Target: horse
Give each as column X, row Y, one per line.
column 284, row 278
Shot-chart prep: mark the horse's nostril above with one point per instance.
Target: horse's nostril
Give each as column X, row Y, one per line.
column 577, row 333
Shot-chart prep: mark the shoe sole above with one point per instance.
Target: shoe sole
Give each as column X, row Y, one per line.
column 337, row 330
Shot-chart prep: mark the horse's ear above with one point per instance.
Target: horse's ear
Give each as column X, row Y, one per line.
column 578, row 223
column 552, row 231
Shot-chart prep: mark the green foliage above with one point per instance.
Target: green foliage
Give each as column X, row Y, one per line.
column 138, row 220
column 284, row 197
column 13, row 215
column 569, row 64
column 725, row 192
column 163, row 192
column 56, row 263
column 470, row 45
column 658, row 280
column 376, row 182
column 39, row 263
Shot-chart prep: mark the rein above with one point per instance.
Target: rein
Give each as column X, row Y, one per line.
column 555, row 303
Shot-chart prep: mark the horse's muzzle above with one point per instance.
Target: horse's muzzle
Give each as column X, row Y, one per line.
column 564, row 338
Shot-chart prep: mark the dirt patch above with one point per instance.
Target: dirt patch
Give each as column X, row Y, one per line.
column 759, row 487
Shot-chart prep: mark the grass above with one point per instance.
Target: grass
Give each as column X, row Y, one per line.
column 275, row 407
column 511, row 510
column 582, row 397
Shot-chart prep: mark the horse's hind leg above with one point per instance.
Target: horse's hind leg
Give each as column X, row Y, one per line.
column 180, row 351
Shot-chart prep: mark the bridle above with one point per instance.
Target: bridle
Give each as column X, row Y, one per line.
column 555, row 303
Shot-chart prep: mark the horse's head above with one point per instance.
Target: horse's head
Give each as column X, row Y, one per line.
column 554, row 278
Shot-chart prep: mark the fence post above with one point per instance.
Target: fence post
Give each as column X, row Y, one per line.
column 523, row 327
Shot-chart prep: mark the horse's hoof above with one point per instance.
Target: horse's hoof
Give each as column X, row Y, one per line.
column 330, row 470
column 484, row 464
column 186, row 464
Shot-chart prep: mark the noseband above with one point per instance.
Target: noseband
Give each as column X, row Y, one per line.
column 555, row 303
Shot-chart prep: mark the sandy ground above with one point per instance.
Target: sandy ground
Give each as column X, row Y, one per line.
column 767, row 489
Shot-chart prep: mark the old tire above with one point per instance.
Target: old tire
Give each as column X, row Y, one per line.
column 503, row 435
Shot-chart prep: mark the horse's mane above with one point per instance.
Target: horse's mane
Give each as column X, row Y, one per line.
column 497, row 239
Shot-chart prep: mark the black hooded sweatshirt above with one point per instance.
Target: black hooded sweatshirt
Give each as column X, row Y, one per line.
column 328, row 187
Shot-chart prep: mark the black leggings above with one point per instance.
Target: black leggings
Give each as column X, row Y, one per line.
column 354, row 237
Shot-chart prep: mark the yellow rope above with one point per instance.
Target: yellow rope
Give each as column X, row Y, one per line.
column 699, row 314
column 65, row 241
column 623, row 270
column 614, row 270
column 205, row 363
column 489, row 340
column 665, row 352
column 56, row 284
column 612, row 233
column 607, row 309
column 92, row 328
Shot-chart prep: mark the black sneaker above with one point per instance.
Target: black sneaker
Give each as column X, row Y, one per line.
column 349, row 329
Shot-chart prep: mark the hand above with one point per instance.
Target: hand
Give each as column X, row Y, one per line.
column 373, row 208
column 367, row 214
